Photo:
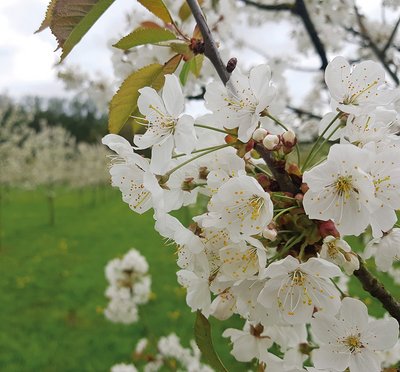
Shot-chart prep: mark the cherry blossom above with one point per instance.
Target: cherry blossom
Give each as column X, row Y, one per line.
column 350, row 340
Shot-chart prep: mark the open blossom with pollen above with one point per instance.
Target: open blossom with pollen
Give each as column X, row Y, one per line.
column 340, row 190
column 127, row 172
column 241, row 206
column 167, row 128
column 356, row 91
column 386, row 250
column 241, row 102
column 295, row 289
column 339, row 252
column 350, row 340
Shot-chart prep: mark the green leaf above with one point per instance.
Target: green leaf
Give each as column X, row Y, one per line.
column 124, row 103
column 182, row 48
column 158, row 8
column 202, row 334
column 184, row 10
column 194, row 66
column 143, row 35
column 70, row 20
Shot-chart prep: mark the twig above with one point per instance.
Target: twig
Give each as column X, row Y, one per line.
column 372, row 45
column 377, row 290
column 210, row 48
column 302, row 112
column 281, row 176
column 392, row 35
column 301, row 10
column 274, row 7
column 298, row 8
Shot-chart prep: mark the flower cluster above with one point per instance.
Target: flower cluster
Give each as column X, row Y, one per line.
column 170, row 355
column 269, row 244
column 129, row 286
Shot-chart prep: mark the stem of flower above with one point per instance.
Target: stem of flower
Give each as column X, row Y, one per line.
column 214, row 129
column 200, row 150
column 311, row 157
column 318, row 139
column 215, row 148
column 283, row 211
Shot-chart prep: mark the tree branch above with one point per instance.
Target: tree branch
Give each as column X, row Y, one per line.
column 378, row 53
column 273, row 7
column 301, row 10
column 210, row 50
column 377, row 290
column 302, row 112
column 392, row 35
column 278, row 171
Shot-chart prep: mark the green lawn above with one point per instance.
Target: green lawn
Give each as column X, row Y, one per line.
column 52, row 284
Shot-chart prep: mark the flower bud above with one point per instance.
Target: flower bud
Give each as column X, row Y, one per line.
column 270, row 234
column 259, row 134
column 271, row 142
column 289, row 138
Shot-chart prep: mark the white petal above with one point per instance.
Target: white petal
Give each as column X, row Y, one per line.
column 365, row 360
column 185, row 137
column 172, row 96
column 354, row 314
column 382, row 334
column 336, row 73
column 329, row 357
column 161, row 155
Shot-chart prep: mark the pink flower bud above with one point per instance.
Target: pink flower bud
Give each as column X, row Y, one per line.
column 271, row 142
column 259, row 134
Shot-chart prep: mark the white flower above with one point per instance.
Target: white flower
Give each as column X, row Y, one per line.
column 241, row 206
column 127, row 172
column 340, row 190
column 295, row 288
column 385, row 173
column 385, row 249
column 241, row 102
column 249, row 343
column 349, row 340
column 167, row 128
column 223, row 305
column 339, row 252
column 122, row 367
column 356, row 91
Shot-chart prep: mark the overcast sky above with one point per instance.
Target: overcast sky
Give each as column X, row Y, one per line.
column 27, row 59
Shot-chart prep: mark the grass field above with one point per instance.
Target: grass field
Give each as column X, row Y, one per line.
column 52, row 284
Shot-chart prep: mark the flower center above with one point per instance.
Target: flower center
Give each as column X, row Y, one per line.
column 343, row 186
column 353, row 342
column 298, row 278
column 256, row 203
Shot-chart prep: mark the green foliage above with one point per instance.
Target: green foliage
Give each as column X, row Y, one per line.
column 194, row 66
column 202, row 333
column 69, row 20
column 158, row 8
column 143, row 35
column 124, row 103
column 52, row 284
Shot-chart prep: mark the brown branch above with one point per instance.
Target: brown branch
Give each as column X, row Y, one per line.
column 278, row 170
column 392, row 35
column 302, row 112
column 273, row 7
column 377, row 290
column 298, row 8
column 372, row 45
column 210, row 48
column 301, row 10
